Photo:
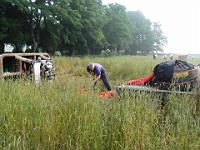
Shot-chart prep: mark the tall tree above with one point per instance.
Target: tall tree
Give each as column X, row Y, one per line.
column 159, row 39
column 93, row 20
column 86, row 34
column 12, row 25
column 142, row 40
column 117, row 30
column 54, row 29
column 147, row 36
column 76, row 26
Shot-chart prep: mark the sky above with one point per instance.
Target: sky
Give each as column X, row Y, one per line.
column 180, row 20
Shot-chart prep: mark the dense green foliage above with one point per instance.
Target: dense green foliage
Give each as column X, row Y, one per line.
column 76, row 27
column 57, row 116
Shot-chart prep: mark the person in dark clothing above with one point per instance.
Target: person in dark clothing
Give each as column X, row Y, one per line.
column 99, row 73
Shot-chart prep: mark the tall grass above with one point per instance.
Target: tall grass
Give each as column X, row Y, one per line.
column 58, row 116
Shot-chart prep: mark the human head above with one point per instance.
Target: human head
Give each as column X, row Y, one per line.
column 90, row 67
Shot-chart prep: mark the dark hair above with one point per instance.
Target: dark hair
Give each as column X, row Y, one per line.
column 88, row 68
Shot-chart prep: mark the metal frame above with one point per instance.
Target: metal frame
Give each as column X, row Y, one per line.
column 18, row 73
column 136, row 88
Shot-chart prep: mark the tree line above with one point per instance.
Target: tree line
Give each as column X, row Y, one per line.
column 77, row 27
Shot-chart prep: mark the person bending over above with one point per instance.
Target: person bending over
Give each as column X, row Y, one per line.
column 99, row 73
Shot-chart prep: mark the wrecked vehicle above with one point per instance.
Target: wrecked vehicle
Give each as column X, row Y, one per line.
column 28, row 65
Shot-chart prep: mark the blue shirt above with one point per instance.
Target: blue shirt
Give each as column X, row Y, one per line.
column 98, row 69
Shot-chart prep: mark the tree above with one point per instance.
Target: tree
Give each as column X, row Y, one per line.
column 86, row 34
column 54, row 28
column 147, row 36
column 117, row 30
column 93, row 20
column 142, row 40
column 159, row 39
column 12, row 25
column 76, row 27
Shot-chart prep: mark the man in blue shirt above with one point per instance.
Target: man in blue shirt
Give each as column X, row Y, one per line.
column 99, row 73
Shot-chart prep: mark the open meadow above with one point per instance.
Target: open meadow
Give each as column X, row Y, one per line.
column 59, row 116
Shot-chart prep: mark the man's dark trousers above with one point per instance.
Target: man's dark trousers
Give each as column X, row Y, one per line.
column 105, row 82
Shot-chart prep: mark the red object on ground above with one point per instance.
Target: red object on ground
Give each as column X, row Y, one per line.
column 141, row 81
column 107, row 94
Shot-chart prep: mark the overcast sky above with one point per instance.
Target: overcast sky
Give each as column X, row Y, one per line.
column 180, row 20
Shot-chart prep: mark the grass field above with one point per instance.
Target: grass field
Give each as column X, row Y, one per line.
column 57, row 116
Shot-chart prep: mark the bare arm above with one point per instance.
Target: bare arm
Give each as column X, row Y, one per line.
column 97, row 78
